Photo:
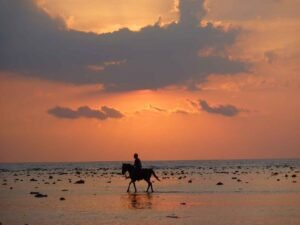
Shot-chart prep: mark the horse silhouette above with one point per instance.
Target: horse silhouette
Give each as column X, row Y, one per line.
column 143, row 174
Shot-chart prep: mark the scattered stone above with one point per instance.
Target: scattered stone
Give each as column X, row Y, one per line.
column 50, row 177
column 190, row 181
column 79, row 182
column 62, row 199
column 33, row 180
column 294, row 175
column 173, row 217
column 39, row 195
column 219, row 183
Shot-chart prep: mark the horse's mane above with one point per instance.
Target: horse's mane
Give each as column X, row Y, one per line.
column 127, row 164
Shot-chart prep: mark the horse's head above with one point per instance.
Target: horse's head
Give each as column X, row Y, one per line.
column 125, row 168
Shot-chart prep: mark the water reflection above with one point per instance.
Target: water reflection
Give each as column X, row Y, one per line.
column 138, row 201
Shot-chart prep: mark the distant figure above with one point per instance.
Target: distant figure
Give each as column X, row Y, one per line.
column 137, row 163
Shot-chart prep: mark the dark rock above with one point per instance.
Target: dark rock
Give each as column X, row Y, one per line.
column 64, row 190
column 219, row 183
column 62, row 199
column 294, row 175
column 79, row 182
column 33, row 180
column 50, row 177
column 39, row 195
column 173, row 217
column 190, row 181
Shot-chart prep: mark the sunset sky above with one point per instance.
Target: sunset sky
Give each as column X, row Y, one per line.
column 92, row 80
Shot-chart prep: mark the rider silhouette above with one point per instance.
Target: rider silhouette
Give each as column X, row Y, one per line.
column 137, row 164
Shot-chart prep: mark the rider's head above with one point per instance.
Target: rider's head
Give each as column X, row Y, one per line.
column 135, row 155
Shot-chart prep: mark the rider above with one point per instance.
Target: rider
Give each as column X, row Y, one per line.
column 137, row 164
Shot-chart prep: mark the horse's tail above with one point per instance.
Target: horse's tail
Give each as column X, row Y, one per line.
column 152, row 172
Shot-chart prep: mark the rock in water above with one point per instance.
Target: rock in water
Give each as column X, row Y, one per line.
column 40, row 196
column 79, row 182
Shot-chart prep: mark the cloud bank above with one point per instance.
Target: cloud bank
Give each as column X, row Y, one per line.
column 36, row 45
column 85, row 112
column 224, row 110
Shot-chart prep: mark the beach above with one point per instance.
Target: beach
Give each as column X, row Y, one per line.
column 254, row 192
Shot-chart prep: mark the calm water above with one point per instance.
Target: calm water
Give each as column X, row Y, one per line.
column 260, row 192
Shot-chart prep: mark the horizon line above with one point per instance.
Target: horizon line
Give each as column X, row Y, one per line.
column 153, row 160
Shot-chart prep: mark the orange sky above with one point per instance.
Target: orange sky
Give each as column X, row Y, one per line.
column 267, row 97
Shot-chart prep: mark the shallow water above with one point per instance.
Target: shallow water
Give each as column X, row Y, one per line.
column 253, row 192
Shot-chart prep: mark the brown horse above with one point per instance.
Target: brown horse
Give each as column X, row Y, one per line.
column 144, row 174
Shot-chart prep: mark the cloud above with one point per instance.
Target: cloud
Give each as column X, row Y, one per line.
column 182, row 112
column 85, row 112
column 270, row 56
column 34, row 44
column 157, row 108
column 224, row 110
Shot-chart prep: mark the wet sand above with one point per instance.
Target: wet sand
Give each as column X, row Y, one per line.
column 268, row 195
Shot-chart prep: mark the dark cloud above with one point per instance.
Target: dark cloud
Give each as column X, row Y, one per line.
column 85, row 112
column 34, row 44
column 225, row 110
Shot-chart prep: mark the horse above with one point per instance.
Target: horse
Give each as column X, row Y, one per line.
column 144, row 174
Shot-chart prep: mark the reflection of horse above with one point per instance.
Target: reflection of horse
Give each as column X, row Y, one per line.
column 144, row 174
column 140, row 201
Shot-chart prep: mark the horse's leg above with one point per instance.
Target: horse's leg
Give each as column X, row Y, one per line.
column 129, row 186
column 134, row 186
column 149, row 184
